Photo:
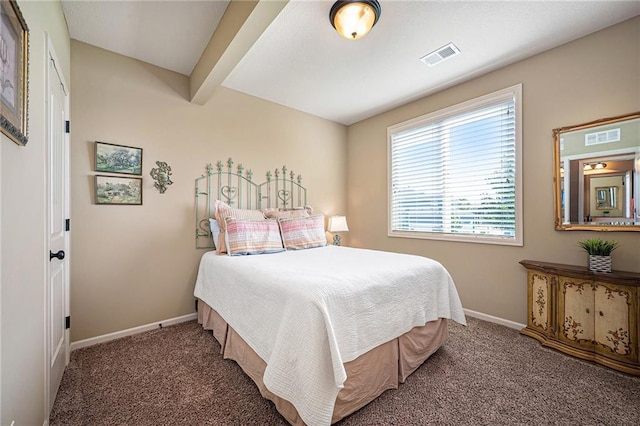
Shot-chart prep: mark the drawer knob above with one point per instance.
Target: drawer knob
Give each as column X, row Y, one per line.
column 601, row 314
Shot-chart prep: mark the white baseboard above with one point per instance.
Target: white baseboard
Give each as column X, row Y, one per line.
column 496, row 320
column 130, row 331
column 140, row 329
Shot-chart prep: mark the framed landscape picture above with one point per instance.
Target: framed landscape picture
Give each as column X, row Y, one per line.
column 118, row 190
column 14, row 57
column 118, row 159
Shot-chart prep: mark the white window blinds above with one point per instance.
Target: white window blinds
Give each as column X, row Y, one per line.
column 454, row 173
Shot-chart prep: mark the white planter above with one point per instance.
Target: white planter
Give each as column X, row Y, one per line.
column 599, row 263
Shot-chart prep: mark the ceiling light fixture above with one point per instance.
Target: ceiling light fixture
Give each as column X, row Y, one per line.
column 353, row 19
column 594, row 166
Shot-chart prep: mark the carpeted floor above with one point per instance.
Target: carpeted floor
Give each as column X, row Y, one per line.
column 486, row 374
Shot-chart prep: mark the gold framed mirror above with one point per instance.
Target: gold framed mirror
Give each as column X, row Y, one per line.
column 597, row 175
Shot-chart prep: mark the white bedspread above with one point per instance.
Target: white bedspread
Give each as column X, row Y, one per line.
column 307, row 312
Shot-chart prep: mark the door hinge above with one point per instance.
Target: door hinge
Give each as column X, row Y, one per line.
column 67, row 224
column 67, row 126
column 67, row 323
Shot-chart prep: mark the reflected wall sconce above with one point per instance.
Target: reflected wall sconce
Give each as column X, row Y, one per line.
column 353, row 19
column 594, row 166
column 337, row 224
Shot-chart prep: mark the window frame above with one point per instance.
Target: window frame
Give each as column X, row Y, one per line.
column 473, row 104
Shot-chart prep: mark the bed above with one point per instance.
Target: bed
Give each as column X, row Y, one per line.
column 322, row 330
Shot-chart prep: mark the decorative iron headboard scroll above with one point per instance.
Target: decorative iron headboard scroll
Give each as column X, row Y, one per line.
column 236, row 188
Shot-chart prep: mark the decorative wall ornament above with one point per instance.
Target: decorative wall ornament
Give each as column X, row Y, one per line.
column 162, row 176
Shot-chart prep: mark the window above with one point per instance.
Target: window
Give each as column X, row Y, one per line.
column 456, row 175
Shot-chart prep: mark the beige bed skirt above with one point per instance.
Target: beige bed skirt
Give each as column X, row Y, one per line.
column 382, row 368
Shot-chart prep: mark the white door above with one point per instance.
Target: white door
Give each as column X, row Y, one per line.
column 57, row 291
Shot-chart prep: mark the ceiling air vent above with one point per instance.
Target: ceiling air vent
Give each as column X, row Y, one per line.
column 439, row 55
column 606, row 136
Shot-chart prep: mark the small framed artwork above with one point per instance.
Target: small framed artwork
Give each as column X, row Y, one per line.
column 14, row 59
column 118, row 190
column 118, row 159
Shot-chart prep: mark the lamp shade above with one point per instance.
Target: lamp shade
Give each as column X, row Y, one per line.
column 337, row 224
column 354, row 19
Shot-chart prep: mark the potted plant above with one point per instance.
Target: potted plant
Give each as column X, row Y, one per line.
column 599, row 251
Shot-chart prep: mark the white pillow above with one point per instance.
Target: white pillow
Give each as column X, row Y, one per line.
column 215, row 230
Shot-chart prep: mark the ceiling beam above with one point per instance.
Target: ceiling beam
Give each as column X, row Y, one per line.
column 241, row 25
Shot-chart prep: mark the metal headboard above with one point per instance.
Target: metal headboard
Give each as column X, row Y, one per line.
column 237, row 189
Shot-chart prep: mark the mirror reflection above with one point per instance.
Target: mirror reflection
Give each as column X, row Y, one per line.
column 597, row 179
column 606, row 198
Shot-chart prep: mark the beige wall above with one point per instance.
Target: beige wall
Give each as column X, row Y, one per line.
column 578, row 82
column 23, row 262
column 134, row 265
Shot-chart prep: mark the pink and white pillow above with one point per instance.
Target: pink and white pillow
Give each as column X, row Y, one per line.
column 303, row 232
column 252, row 237
column 222, row 211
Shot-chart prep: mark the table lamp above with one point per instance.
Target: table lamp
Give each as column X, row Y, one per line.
column 337, row 224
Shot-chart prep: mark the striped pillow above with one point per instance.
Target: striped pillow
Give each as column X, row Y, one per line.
column 303, row 232
column 223, row 211
column 252, row 237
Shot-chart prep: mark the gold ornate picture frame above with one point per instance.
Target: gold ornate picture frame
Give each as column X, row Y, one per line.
column 14, row 64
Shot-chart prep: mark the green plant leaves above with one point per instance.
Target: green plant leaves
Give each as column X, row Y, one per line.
column 598, row 246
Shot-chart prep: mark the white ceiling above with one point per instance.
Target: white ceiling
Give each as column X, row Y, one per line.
column 169, row 34
column 300, row 61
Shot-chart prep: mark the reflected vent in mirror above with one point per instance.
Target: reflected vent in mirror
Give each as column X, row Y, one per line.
column 439, row 55
column 606, row 136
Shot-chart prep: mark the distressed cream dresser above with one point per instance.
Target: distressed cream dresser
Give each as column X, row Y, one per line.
column 593, row 316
